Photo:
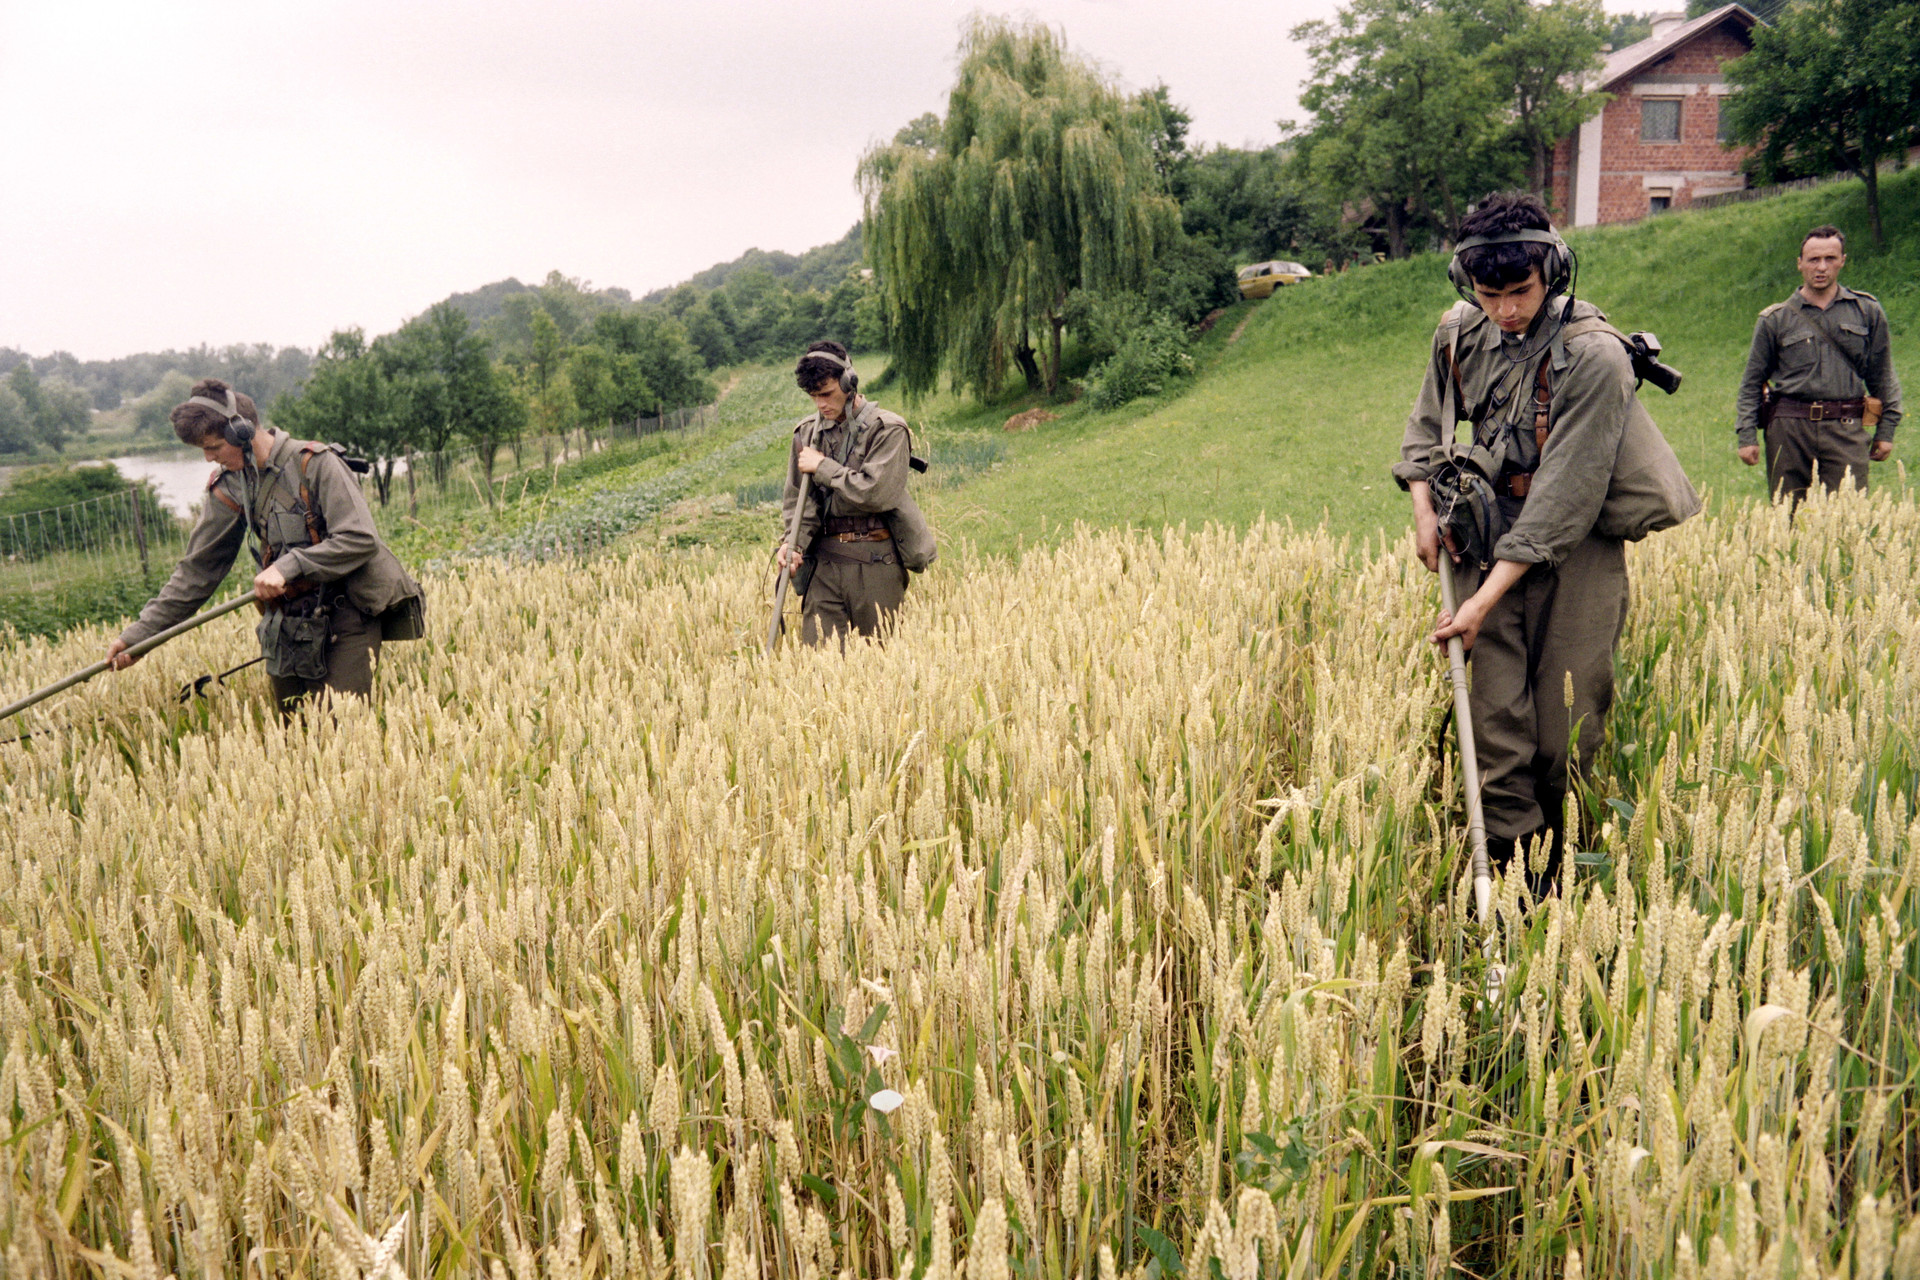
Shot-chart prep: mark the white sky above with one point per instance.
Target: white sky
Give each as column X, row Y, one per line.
column 186, row 171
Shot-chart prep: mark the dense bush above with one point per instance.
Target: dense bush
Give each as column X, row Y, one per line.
column 1142, row 362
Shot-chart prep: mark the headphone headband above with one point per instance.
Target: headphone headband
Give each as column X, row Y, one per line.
column 1527, row 236
column 838, row 362
column 230, row 410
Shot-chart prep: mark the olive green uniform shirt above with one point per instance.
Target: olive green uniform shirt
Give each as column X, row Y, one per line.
column 1591, row 399
column 373, row 578
column 1789, row 351
column 872, row 481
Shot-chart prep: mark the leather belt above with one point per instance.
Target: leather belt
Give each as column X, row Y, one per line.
column 831, row 549
column 875, row 535
column 1518, row 485
column 1819, row 410
column 854, row 524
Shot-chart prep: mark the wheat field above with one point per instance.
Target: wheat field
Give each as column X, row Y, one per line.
column 1112, row 921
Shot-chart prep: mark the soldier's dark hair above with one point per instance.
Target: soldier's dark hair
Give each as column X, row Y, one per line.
column 1500, row 265
column 815, row 374
column 1825, row 231
column 193, row 423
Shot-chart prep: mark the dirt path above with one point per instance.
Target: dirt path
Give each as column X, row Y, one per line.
column 1239, row 329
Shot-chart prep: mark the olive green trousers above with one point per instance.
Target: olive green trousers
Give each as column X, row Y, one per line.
column 846, row 596
column 1797, row 447
column 1554, row 631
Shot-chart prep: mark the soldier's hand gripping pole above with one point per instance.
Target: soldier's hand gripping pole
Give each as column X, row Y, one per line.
column 780, row 570
column 1469, row 761
column 150, row 643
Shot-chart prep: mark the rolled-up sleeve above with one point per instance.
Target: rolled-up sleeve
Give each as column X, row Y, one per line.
column 1426, row 425
column 351, row 540
column 216, row 539
column 1591, row 402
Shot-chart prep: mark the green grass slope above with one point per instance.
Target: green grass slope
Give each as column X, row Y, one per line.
column 1302, row 416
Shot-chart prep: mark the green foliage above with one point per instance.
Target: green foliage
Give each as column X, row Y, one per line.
column 1255, row 205
column 53, row 409
column 54, row 509
column 16, row 425
column 348, row 398
column 1043, row 182
column 1142, row 363
column 1834, row 85
column 152, row 412
column 664, row 371
column 1422, row 106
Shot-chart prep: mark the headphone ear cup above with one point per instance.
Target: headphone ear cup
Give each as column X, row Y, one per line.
column 849, row 380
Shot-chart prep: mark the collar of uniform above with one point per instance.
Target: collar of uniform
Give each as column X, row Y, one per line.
column 1840, row 294
column 280, row 454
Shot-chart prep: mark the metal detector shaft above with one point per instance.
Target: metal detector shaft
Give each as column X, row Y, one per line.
column 151, row 642
column 1469, row 760
column 781, row 571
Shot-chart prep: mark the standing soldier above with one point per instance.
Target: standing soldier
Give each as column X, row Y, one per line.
column 861, row 531
column 329, row 588
column 1819, row 378
column 1550, row 389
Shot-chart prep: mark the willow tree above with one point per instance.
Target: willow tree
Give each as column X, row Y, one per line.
column 1039, row 181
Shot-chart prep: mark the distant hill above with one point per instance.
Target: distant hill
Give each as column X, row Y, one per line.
column 488, row 300
column 820, row 267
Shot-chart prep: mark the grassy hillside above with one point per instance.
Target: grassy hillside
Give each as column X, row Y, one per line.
column 1301, row 417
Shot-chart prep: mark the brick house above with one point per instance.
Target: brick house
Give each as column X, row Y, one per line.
column 1658, row 144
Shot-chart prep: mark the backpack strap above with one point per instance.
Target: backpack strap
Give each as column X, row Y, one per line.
column 316, row 527
column 225, row 498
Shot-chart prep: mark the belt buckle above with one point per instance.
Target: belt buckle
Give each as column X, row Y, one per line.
column 1817, row 411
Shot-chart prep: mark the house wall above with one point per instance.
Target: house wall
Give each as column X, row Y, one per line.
column 1631, row 170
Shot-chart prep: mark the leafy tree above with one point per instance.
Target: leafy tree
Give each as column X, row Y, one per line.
column 55, row 408
column 1405, row 115
column 442, row 383
column 672, row 372
column 1547, row 54
column 543, row 365
column 348, row 398
column 708, row 336
column 608, row 386
column 1167, row 125
column 153, row 412
column 1834, row 85
column 1629, row 28
column 1043, row 182
column 16, row 425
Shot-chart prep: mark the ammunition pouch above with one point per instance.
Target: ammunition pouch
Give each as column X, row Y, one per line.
column 405, row 621
column 1461, row 488
column 294, row 642
column 803, row 577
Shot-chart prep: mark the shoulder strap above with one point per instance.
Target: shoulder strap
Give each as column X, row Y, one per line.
column 1456, row 408
column 225, row 498
column 1555, row 357
column 316, row 526
column 1819, row 327
column 1767, row 311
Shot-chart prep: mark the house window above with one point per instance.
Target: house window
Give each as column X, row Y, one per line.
column 1660, row 120
column 1723, row 128
column 1659, row 201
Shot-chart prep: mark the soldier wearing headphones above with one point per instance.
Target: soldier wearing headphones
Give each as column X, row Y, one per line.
column 1544, row 616
column 330, row 590
column 861, row 532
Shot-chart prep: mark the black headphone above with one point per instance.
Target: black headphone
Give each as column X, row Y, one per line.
column 1561, row 271
column 849, row 380
column 238, row 429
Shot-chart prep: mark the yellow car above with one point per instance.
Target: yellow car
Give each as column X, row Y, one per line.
column 1262, row 278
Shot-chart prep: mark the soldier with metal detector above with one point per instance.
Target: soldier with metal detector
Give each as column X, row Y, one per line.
column 852, row 531
column 330, row 590
column 1563, row 467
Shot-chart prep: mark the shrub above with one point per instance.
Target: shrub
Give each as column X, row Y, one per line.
column 1140, row 365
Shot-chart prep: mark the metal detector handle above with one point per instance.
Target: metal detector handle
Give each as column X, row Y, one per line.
column 150, row 643
column 1469, row 759
column 780, row 570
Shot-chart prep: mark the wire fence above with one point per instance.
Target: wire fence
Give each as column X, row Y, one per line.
column 102, row 558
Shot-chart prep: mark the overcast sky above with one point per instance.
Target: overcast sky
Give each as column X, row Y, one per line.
column 187, row 171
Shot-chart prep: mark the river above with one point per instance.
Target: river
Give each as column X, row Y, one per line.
column 180, row 478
